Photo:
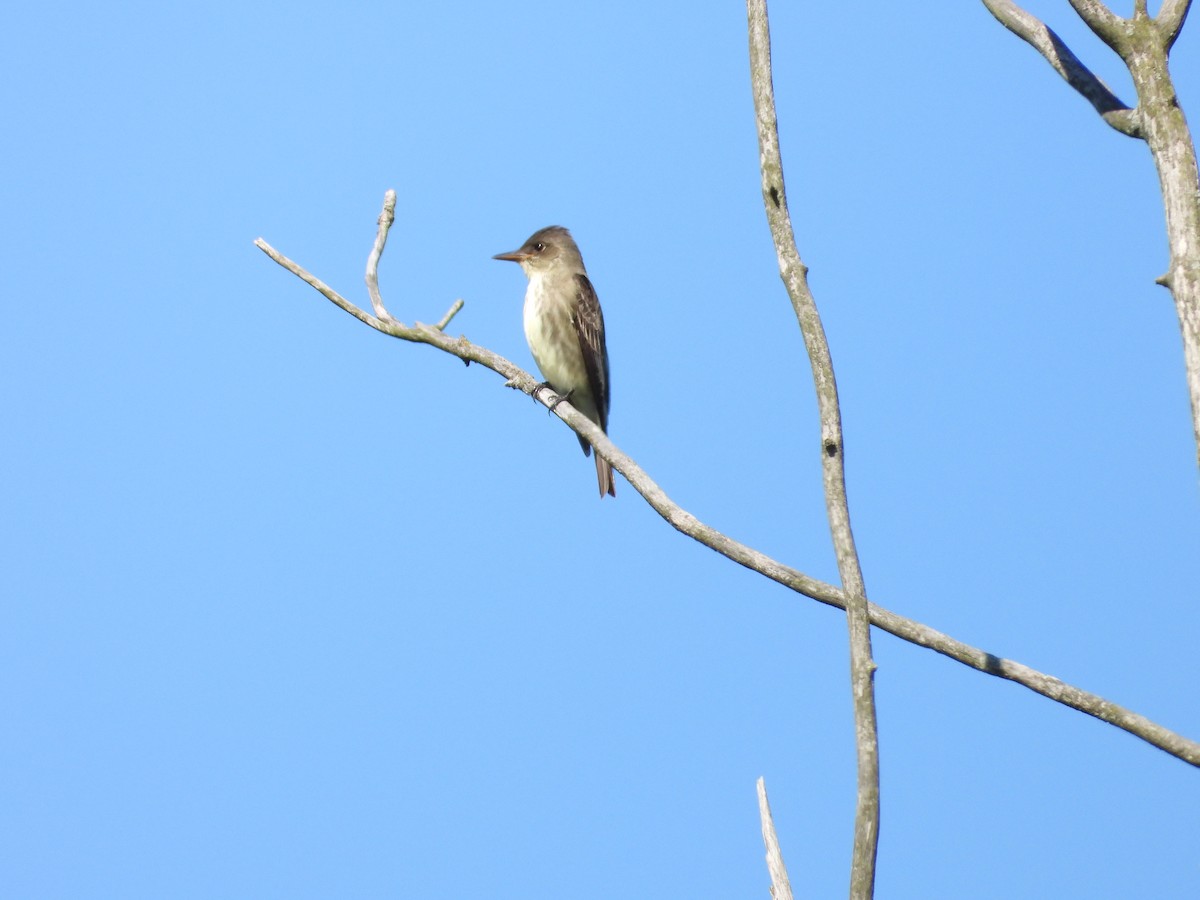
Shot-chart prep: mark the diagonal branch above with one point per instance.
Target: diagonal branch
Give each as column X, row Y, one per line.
column 1170, row 19
column 1035, row 32
column 795, row 278
column 1105, row 24
column 686, row 523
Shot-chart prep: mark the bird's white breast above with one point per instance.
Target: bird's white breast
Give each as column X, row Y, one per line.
column 552, row 339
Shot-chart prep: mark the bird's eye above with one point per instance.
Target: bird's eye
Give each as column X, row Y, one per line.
column 539, row 246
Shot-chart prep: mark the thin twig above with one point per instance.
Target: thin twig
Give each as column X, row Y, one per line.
column 795, row 278
column 450, row 314
column 686, row 523
column 781, row 888
column 1034, row 32
column 386, row 218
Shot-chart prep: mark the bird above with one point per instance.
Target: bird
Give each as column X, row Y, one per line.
column 565, row 330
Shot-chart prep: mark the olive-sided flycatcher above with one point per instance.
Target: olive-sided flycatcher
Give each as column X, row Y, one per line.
column 565, row 329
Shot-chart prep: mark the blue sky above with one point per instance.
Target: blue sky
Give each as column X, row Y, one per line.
column 296, row 610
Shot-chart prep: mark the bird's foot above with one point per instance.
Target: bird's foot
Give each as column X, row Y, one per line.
column 559, row 399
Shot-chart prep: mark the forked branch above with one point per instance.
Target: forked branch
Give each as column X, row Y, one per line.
column 1143, row 43
column 1034, row 32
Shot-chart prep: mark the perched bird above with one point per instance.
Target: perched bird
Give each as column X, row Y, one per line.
column 565, row 329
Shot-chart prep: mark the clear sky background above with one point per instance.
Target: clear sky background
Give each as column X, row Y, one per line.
column 292, row 609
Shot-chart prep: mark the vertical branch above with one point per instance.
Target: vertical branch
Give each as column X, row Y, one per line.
column 795, row 278
column 1166, row 133
column 386, row 217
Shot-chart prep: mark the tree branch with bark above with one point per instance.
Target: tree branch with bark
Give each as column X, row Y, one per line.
column 1143, row 43
column 832, row 451
column 687, row 523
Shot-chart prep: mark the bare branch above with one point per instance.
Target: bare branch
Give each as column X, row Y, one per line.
column 1034, row 32
column 1143, row 44
column 781, row 888
column 795, row 278
column 450, row 314
column 321, row 286
column 386, row 217
column 1105, row 24
column 1039, row 682
column 1174, row 153
column 1170, row 19
column 815, row 589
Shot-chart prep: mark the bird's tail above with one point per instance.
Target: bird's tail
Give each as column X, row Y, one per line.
column 604, row 476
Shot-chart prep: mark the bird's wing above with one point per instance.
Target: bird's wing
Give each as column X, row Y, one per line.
column 589, row 325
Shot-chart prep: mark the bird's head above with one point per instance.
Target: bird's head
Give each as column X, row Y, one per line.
column 545, row 250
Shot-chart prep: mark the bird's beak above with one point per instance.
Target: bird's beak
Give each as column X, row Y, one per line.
column 516, row 256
